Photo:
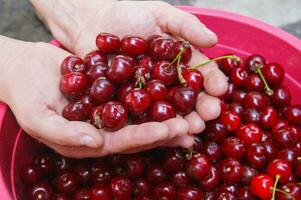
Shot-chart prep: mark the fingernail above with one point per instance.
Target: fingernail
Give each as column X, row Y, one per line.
column 88, row 141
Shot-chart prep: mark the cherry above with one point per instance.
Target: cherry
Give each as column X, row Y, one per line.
column 100, row 192
column 261, row 185
column 180, row 178
column 215, row 131
column 228, row 64
column 224, row 195
column 120, row 70
column 193, row 79
column 73, row 64
column 95, row 58
column 211, row 180
column 255, row 100
column 231, row 170
column 233, row 147
column 268, row 117
column 140, row 118
column 40, row 191
column 249, row 133
column 96, row 71
column 186, row 55
column 161, row 111
column 190, row 193
column 232, row 188
column 289, row 190
column 238, row 95
column 30, row 174
column 273, row 73
column 238, row 76
column 156, row 174
column 254, row 82
column 284, row 137
column 228, row 95
column 73, row 85
column 247, row 174
column 45, row 163
column 147, row 62
column 156, row 90
column 210, row 196
column 114, row 115
column 272, row 151
column 137, row 101
column 173, row 160
column 63, row 163
column 150, row 42
column 293, row 114
column 212, row 151
column 60, row 197
column 254, row 61
column 198, row 167
column 279, row 169
column 165, row 190
column 256, row 155
column 278, row 125
column 67, row 183
column 88, row 103
column 76, row 111
column 133, row 46
column 165, row 72
column 288, row 154
column 231, row 120
column 245, row 194
column 184, row 100
column 101, row 172
column 102, row 90
column 163, row 48
column 123, row 90
column 281, row 96
column 121, row 187
column 236, row 107
column 142, row 187
column 82, row 194
column 107, row 43
column 84, row 173
column 134, row 166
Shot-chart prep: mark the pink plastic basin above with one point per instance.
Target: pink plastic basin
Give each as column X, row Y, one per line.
column 237, row 34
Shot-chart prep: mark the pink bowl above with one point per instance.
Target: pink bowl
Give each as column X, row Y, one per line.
column 237, row 34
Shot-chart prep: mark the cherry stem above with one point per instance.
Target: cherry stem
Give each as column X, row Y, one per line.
column 232, row 57
column 267, row 88
column 275, row 187
column 189, row 153
column 283, row 192
column 179, row 56
column 140, row 82
column 179, row 72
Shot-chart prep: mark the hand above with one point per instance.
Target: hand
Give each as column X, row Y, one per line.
column 86, row 20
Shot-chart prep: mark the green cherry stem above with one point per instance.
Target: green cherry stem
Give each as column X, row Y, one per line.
column 285, row 193
column 232, row 57
column 178, row 57
column 189, row 153
column 179, row 72
column 275, row 187
column 140, row 82
column 267, row 88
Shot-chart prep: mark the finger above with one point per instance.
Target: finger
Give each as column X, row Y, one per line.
column 215, row 82
column 177, row 22
column 208, row 107
column 185, row 141
column 196, row 123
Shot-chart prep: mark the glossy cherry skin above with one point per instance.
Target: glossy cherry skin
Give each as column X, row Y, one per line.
column 231, row 170
column 156, row 90
column 260, row 186
column 294, row 189
column 271, row 150
column 45, row 163
column 134, row 166
column 211, row 180
column 280, row 167
column 137, row 101
column 114, row 115
column 161, row 111
column 255, row 100
column 273, row 73
column 107, row 43
column 194, row 79
column 231, row 120
column 256, row 155
column 120, row 70
column 121, row 187
column 254, row 61
column 190, row 193
column 133, row 46
column 123, row 90
column 60, row 197
column 236, row 107
column 215, row 131
column 156, row 174
column 284, row 137
column 249, row 133
column 184, row 100
column 84, row 173
column 254, row 82
column 100, row 192
column 75, row 111
column 221, row 195
column 288, row 154
column 173, row 160
column 162, row 71
column 198, row 167
column 268, row 117
column 185, row 58
column 30, row 174
column 94, row 58
column 41, row 191
column 142, row 187
column 247, row 174
column 281, row 96
column 82, row 194
column 67, row 183
column 62, row 163
column 96, row 71
column 73, row 64
column 293, row 114
column 180, row 178
column 101, row 173
column 227, row 65
column 245, row 194
column 73, row 85
column 232, row 188
column 102, row 90
column 212, row 151
column 147, row 62
column 165, row 190
column 238, row 95
column 233, row 147
column 228, row 95
column 163, row 49
column 238, row 76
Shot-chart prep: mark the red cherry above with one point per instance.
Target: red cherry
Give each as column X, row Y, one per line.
column 249, row 133
column 194, row 79
column 82, row 194
column 215, row 131
column 96, row 71
column 94, row 58
column 123, row 90
column 273, row 73
column 279, row 167
column 256, row 155
column 162, row 71
column 73, row 64
column 245, row 194
column 268, row 117
column 261, row 186
column 63, row 164
column 114, row 115
column 137, row 101
column 76, row 111
column 211, row 180
column 212, row 151
column 40, row 191
column 156, row 174
column 220, row 195
column 156, row 90
column 180, row 178
column 102, row 90
column 140, row 118
column 255, row 100
column 120, row 70
column 161, row 111
column 293, row 114
column 184, row 100
column 134, row 166
column 288, row 154
column 100, row 192
column 142, row 187
column 254, row 61
column 163, row 48
column 173, row 160
column 30, row 174
column 272, row 151
column 228, row 95
column 198, row 167
column 150, row 42
column 186, row 54
column 291, row 190
column 121, row 187
column 67, row 183
column 281, row 96
column 45, row 163
column 238, row 95
column 284, row 137
column 190, row 193
column 147, row 62
column 228, row 64
column 165, row 190
column 84, row 173
column 231, row 170
column 73, row 85
column 238, row 76
column 133, row 46
column 101, row 172
column 107, row 43
column 247, row 174
column 233, row 147
column 231, row 120
column 254, row 83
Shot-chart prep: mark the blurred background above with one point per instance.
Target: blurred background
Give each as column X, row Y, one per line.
column 18, row 20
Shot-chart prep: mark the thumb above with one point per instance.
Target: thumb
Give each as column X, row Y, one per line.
column 187, row 26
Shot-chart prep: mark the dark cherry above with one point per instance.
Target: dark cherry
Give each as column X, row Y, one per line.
column 224, row 195
column 121, row 69
column 84, row 173
column 236, row 107
column 232, row 188
column 293, row 114
column 100, row 192
column 142, row 187
column 254, row 61
column 247, row 174
column 245, row 194
column 227, row 65
column 233, row 147
column 268, row 117
column 198, row 145
column 150, row 42
column 73, row 64
column 164, row 72
column 255, row 100
column 96, row 71
column 82, row 194
column 173, row 160
column 278, row 125
column 63, row 164
column 288, row 154
column 230, row 170
column 281, row 96
column 273, row 73
column 123, row 90
column 88, row 102
column 133, row 46
column 238, row 76
column 186, row 54
column 231, row 120
column 280, row 167
column 238, row 95
column 210, row 196
column 67, row 183
column 147, row 62
column 60, row 197
column 161, row 111
column 73, row 85
column 272, row 151
column 156, row 90
column 101, row 172
column 114, row 115
column 193, row 79
column 261, row 186
column 134, row 166
column 156, row 174
column 198, row 166
column 76, row 111
column 40, row 191
column 140, row 118
column 284, row 137
column 228, row 95
column 215, row 131
column 267, row 136
column 102, row 90
column 213, row 151
column 163, row 48
column 180, row 178
column 256, row 155
column 254, row 82
column 292, row 190
column 137, row 101
column 184, row 100
column 249, row 134
column 211, row 180
column 45, row 163
column 121, row 187
column 190, row 193
column 94, row 58
column 107, row 43
column 165, row 190
column 30, row 174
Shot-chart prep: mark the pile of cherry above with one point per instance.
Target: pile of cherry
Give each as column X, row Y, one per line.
column 252, row 151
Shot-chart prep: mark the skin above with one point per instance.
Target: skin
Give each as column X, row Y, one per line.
column 33, row 68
